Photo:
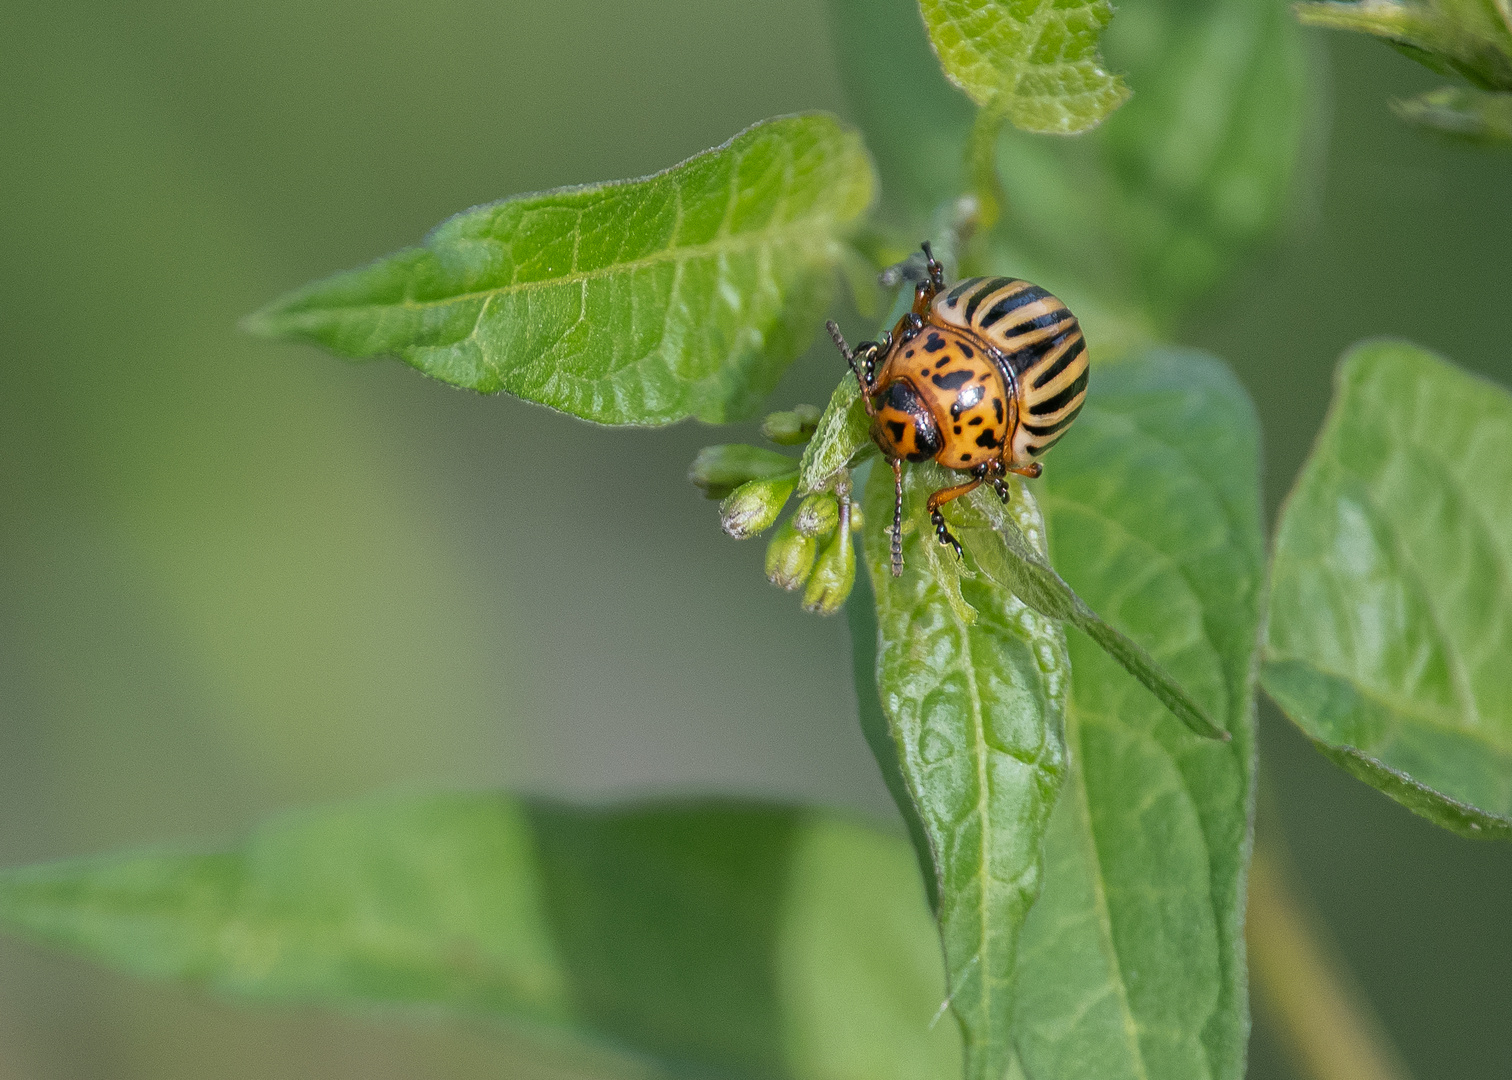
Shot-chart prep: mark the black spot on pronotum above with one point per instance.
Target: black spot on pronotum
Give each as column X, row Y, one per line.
column 953, row 380
column 941, row 362
column 965, row 457
column 933, row 343
column 988, row 439
column 958, row 428
column 910, row 352
column 897, row 428
column 997, row 407
column 975, row 421
column 967, row 351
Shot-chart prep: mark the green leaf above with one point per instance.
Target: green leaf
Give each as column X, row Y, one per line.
column 1132, row 963
column 1476, row 116
column 1178, row 188
column 1006, row 556
column 1035, row 61
column 973, row 711
column 843, row 438
column 1390, row 623
column 686, row 293
column 1470, row 38
column 741, row 940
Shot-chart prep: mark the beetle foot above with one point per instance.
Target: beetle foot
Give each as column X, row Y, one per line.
column 1000, row 486
column 942, row 533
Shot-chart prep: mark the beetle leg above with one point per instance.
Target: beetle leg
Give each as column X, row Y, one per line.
column 1031, row 470
column 939, row 499
column 897, row 529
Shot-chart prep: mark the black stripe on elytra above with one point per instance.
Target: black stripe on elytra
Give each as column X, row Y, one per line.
column 1062, row 399
column 1050, row 429
column 1062, row 362
column 991, row 286
column 953, row 380
column 1038, row 322
column 1022, row 361
column 1024, row 296
column 1052, row 440
column 956, row 293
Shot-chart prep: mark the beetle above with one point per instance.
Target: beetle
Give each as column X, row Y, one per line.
column 983, row 377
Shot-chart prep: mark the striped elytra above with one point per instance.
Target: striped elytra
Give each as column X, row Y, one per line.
column 983, row 377
column 1039, row 344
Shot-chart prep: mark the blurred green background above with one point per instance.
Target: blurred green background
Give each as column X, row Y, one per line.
column 237, row 577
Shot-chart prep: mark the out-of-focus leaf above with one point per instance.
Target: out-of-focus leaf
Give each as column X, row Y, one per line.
column 682, row 294
column 1471, row 38
column 1132, row 962
column 1390, row 624
column 746, row 941
column 1034, row 61
column 1177, row 188
column 1476, row 115
column 973, row 712
column 915, row 121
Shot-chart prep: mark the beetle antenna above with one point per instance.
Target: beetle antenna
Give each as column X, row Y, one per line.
column 897, row 532
column 850, row 359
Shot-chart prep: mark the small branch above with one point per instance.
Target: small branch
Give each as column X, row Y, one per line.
column 1303, row 989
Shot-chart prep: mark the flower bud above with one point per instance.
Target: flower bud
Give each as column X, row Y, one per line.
column 754, row 505
column 857, row 521
column 791, row 428
column 834, row 574
column 789, row 557
column 817, row 515
column 719, row 470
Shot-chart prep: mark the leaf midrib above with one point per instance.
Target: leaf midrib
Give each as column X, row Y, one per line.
column 802, row 230
column 983, row 811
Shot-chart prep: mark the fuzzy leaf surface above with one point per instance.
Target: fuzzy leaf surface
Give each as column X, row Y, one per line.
column 686, row 293
column 973, row 702
column 1390, row 625
column 721, row 939
column 1132, row 963
column 1035, row 61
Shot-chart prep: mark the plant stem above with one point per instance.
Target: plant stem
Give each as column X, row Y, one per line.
column 1303, row 988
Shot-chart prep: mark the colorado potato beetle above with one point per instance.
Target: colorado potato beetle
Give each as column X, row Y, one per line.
column 983, row 378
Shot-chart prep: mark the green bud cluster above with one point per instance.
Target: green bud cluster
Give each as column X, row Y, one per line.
column 812, row 550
